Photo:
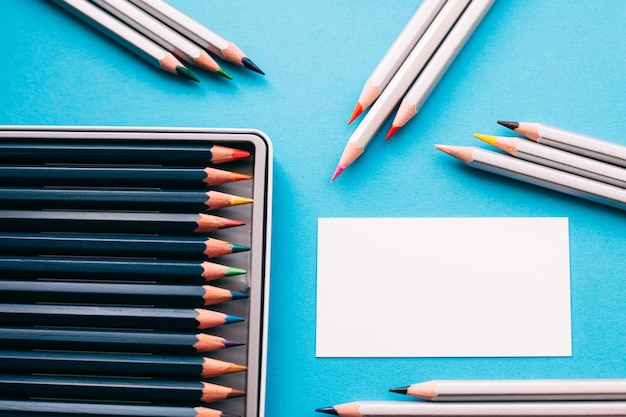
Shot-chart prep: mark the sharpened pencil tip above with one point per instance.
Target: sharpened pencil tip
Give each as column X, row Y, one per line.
column 223, row 73
column 238, row 295
column 490, row 139
column 337, row 172
column 240, row 154
column 251, row 65
column 237, row 200
column 400, row 390
column 358, row 109
column 230, row 270
column 236, row 248
column 327, row 410
column 184, row 72
column 231, row 343
column 392, row 131
column 232, row 319
column 510, row 125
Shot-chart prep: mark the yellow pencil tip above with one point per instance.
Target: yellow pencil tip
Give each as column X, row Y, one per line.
column 236, row 200
column 487, row 138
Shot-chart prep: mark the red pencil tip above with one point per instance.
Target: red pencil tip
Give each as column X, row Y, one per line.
column 358, row 109
column 392, row 130
column 338, row 171
column 233, row 223
column 240, row 154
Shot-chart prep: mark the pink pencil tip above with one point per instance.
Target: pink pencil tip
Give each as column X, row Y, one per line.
column 338, row 171
column 392, row 131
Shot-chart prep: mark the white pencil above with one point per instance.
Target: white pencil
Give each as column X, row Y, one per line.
column 400, row 83
column 540, row 175
column 161, row 34
column 517, row 390
column 570, row 141
column 197, row 32
column 126, row 36
column 396, row 54
column 556, row 158
column 438, row 65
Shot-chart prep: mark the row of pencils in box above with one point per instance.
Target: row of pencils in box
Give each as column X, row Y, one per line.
column 105, row 300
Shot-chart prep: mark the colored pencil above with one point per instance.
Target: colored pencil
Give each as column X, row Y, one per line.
column 126, row 36
column 115, row 364
column 126, row 176
column 76, row 388
column 152, row 153
column 197, row 32
column 180, row 201
column 517, row 390
column 112, row 222
column 556, row 158
column 114, row 293
column 161, row 34
column 475, row 409
column 396, row 54
column 542, row 176
column 114, row 268
column 84, row 244
column 439, row 64
column 400, row 83
column 69, row 409
column 111, row 341
column 555, row 137
column 113, row 316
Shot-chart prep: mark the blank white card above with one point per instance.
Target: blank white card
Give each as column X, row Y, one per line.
column 443, row 287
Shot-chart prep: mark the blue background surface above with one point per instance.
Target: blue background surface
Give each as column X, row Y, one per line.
column 558, row 62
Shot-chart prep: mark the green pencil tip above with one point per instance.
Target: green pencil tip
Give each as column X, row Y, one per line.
column 224, row 73
column 184, row 72
column 234, row 271
column 234, row 247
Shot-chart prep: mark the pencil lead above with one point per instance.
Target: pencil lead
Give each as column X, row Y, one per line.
column 490, row 139
column 401, row 390
column 233, row 223
column 231, row 343
column 186, row 73
column 392, row 131
column 237, row 200
column 240, row 154
column 238, row 295
column 337, row 172
column 232, row 319
column 328, row 410
column 234, row 271
column 235, row 248
column 510, row 125
column 239, row 177
column 250, row 65
column 223, row 73
column 358, row 109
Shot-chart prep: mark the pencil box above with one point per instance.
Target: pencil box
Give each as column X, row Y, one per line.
column 253, row 230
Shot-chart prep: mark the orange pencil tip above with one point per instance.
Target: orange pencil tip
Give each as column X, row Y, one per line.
column 240, row 154
column 392, row 131
column 337, row 172
column 358, row 109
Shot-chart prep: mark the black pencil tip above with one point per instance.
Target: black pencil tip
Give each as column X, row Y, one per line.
column 510, row 125
column 182, row 71
column 250, row 65
column 230, row 343
column 401, row 390
column 328, row 410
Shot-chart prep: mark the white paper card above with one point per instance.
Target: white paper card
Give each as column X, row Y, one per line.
column 443, row 287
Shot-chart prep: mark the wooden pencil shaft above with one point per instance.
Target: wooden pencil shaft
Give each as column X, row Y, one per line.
column 582, row 145
column 184, row 24
column 114, row 364
column 170, row 247
column 111, row 317
column 190, row 392
column 569, row 162
column 88, row 268
column 103, row 152
column 103, row 222
column 521, row 390
column 151, row 28
column 102, row 340
column 548, row 178
column 115, row 29
column 30, row 408
column 178, row 201
column 105, row 176
column 114, row 293
column 491, row 409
